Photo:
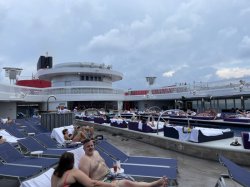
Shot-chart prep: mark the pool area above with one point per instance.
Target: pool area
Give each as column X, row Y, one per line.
column 207, row 150
column 219, row 124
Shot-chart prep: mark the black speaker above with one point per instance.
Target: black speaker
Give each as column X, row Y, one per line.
column 41, row 62
column 44, row 62
column 50, row 61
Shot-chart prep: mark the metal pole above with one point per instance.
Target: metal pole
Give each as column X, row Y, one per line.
column 159, row 120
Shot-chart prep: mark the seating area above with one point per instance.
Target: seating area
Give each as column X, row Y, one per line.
column 99, row 120
column 152, row 126
column 124, row 158
column 44, row 178
column 10, row 155
column 120, row 123
column 14, row 163
column 137, row 170
column 176, row 132
column 238, row 119
column 235, row 172
column 139, row 166
column 31, row 157
column 124, row 121
column 197, row 134
column 237, row 116
column 203, row 117
column 21, row 172
column 146, row 128
column 144, row 171
column 30, row 145
column 47, row 141
column 28, row 150
column 200, row 135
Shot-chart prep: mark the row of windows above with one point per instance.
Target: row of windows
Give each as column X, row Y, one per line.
column 91, row 78
column 157, row 91
column 222, row 104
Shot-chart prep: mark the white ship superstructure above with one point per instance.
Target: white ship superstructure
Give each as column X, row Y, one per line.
column 90, row 84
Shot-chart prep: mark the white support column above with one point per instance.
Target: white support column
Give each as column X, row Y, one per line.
column 119, row 105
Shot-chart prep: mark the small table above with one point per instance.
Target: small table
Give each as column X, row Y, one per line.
column 121, row 170
column 36, row 153
column 31, row 134
column 22, row 126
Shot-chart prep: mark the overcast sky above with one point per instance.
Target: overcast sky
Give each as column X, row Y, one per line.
column 174, row 40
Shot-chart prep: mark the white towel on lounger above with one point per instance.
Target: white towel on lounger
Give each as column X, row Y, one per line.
column 210, row 131
column 9, row 138
column 41, row 180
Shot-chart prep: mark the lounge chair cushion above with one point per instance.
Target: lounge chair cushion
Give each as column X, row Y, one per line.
column 245, row 140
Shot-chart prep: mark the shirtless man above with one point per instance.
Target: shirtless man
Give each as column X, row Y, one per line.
column 89, row 132
column 78, row 135
column 94, row 166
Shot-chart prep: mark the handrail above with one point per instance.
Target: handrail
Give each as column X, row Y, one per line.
column 153, row 107
column 159, row 120
column 164, row 120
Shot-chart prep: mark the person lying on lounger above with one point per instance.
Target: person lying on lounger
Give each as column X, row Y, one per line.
column 66, row 134
column 79, row 134
column 93, row 165
column 9, row 120
column 2, row 140
column 150, row 122
column 89, row 132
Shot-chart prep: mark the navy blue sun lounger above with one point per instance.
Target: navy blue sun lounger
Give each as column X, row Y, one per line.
column 119, row 155
column 142, row 171
column 30, row 126
column 18, row 171
column 32, row 145
column 10, row 155
column 47, row 141
column 13, row 130
column 236, row 172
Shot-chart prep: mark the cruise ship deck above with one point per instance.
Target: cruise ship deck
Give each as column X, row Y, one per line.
column 192, row 171
column 206, row 150
column 198, row 162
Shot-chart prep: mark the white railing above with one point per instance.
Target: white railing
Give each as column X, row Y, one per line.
column 235, row 85
column 21, row 91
